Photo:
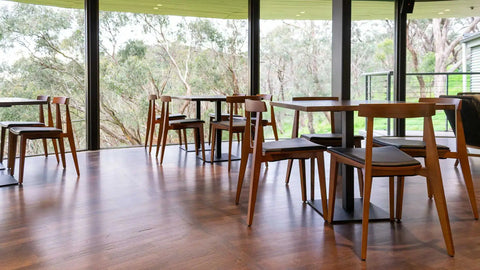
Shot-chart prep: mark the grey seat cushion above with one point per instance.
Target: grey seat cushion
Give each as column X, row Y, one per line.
column 402, row 143
column 235, row 123
column 24, row 130
column 174, row 116
column 385, row 156
column 328, row 139
column 291, row 145
column 185, row 121
column 9, row 124
column 224, row 115
column 470, row 113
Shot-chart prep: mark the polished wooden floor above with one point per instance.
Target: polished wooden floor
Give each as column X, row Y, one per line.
column 127, row 212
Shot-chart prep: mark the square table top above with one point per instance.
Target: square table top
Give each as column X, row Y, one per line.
column 202, row 98
column 12, row 101
column 339, row 105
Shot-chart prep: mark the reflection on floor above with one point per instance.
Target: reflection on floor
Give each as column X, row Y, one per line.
column 125, row 211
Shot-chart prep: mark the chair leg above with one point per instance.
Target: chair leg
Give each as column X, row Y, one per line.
column 179, row 132
column 73, row 149
column 21, row 165
column 2, row 143
column 212, row 148
column 195, row 136
column 230, row 141
column 253, row 188
column 289, row 171
column 202, row 141
column 456, row 162
column 243, row 167
column 210, row 131
column 12, row 151
column 360, row 181
column 332, row 188
column 160, row 140
column 55, row 149
column 312, row 179
column 366, row 211
column 164, row 142
column 441, row 205
column 152, row 131
column 149, row 119
column 467, row 177
column 391, row 197
column 303, row 179
column 321, row 181
column 429, row 189
column 400, row 186
column 62, row 151
column 45, row 149
column 185, row 139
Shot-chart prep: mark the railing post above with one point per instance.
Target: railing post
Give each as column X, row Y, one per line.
column 389, row 97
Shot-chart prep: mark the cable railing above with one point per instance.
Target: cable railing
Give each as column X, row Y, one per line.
column 379, row 86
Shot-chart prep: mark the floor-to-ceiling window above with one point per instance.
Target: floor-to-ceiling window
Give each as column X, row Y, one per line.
column 42, row 53
column 149, row 53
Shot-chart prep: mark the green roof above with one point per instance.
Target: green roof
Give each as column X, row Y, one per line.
column 276, row 9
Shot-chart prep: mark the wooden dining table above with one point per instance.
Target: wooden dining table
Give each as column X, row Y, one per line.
column 7, row 179
column 350, row 208
column 218, row 99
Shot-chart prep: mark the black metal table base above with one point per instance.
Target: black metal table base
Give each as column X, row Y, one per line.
column 341, row 216
column 191, row 147
column 223, row 158
column 7, row 180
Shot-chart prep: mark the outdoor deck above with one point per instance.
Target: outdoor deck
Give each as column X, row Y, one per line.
column 127, row 212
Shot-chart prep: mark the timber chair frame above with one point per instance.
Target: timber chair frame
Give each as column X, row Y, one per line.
column 297, row 148
column 390, row 161
column 467, row 95
column 233, row 125
column 41, row 123
column 331, row 139
column 168, row 124
column 272, row 122
column 50, row 132
column 153, row 120
column 224, row 117
column 461, row 153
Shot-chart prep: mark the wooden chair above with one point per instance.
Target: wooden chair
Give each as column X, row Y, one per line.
column 50, row 132
column 233, row 125
column 416, row 148
column 153, row 120
column 272, row 122
column 470, row 115
column 224, row 117
column 326, row 139
column 297, row 148
column 391, row 161
column 168, row 124
column 5, row 125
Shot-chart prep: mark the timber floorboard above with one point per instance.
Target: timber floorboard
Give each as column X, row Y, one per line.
column 126, row 211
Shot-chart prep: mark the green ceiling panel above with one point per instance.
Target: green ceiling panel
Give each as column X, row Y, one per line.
column 276, row 9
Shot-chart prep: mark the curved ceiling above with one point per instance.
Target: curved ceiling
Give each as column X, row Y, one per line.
column 276, row 9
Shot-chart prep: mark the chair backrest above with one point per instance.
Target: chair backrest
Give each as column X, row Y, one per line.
column 41, row 111
column 257, row 107
column 235, row 102
column 62, row 102
column 165, row 110
column 331, row 114
column 470, row 114
column 399, row 110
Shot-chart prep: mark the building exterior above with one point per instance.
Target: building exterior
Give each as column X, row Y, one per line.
column 472, row 47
